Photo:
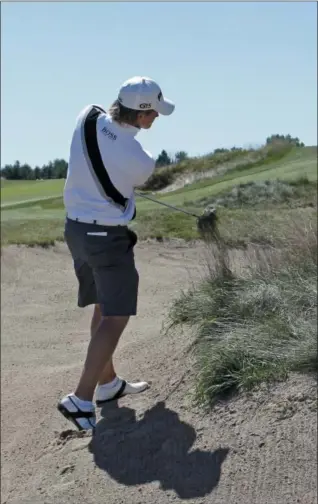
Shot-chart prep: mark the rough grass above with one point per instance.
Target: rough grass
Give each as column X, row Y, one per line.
column 260, row 324
column 239, row 227
column 266, row 193
column 36, row 232
column 44, row 222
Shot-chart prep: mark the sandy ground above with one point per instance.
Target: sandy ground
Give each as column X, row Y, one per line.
column 153, row 448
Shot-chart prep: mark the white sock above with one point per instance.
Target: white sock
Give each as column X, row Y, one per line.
column 110, row 385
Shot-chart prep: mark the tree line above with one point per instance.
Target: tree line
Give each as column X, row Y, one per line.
column 57, row 169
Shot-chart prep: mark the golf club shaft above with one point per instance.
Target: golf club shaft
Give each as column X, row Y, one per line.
column 167, row 205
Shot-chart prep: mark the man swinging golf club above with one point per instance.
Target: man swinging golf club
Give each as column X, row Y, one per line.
column 106, row 163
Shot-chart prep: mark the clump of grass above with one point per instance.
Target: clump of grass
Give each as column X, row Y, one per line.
column 300, row 192
column 258, row 325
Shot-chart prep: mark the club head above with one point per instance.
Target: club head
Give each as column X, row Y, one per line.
column 208, row 221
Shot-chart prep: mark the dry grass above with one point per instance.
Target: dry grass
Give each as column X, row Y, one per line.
column 260, row 322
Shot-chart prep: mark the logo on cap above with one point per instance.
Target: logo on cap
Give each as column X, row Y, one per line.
column 145, row 105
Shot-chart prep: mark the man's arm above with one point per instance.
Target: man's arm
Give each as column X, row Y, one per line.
column 142, row 165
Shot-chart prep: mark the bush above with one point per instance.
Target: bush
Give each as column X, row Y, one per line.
column 260, row 324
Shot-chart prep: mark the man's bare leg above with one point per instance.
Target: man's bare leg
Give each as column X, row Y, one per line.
column 105, row 336
column 96, row 319
column 108, row 374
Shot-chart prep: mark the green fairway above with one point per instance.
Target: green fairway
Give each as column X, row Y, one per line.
column 21, row 190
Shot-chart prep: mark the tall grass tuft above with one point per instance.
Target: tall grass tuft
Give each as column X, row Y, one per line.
column 258, row 324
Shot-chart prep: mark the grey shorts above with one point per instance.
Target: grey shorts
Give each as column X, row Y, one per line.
column 104, row 266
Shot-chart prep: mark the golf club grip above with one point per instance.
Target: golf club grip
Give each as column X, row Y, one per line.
column 166, row 205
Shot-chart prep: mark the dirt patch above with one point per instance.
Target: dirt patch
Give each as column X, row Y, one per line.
column 156, row 447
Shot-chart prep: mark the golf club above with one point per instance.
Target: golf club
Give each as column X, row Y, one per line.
column 166, row 205
column 206, row 222
column 208, row 229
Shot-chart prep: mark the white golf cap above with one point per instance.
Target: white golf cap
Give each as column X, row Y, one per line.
column 142, row 93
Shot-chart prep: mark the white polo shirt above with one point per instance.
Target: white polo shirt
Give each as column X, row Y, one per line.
column 128, row 165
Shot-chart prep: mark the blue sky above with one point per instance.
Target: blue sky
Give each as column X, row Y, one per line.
column 237, row 72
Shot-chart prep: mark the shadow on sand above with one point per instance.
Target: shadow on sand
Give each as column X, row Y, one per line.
column 155, row 448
